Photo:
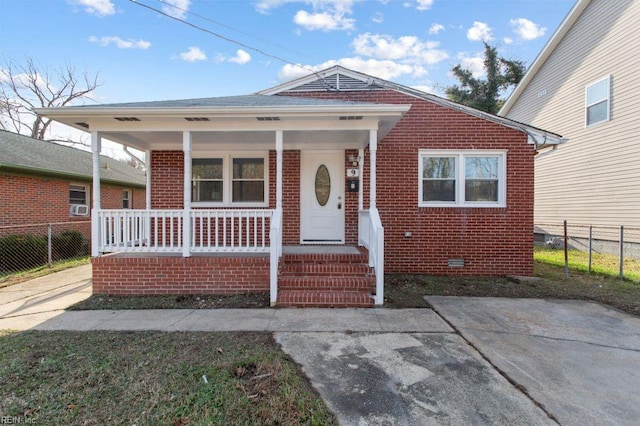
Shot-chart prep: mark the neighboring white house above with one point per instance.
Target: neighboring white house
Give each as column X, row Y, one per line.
column 585, row 85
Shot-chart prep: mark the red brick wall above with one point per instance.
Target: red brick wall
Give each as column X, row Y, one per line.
column 493, row 241
column 178, row 275
column 32, row 199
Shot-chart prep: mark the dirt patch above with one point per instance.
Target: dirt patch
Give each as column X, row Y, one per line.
column 235, row 301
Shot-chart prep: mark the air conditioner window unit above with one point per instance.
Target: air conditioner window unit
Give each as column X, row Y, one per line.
column 79, row 210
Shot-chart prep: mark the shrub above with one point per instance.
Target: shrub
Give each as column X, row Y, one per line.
column 68, row 244
column 18, row 252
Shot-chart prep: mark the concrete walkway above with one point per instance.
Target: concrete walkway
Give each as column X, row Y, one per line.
column 27, row 304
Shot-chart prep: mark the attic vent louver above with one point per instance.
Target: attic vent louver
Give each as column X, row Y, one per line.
column 268, row 118
column 85, row 125
column 350, row 117
column 127, row 118
column 196, row 118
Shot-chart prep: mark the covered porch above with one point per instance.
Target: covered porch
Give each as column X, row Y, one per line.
column 226, row 235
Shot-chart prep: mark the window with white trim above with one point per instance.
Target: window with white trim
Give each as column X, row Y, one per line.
column 462, row 178
column 230, row 180
column 598, row 101
column 126, row 199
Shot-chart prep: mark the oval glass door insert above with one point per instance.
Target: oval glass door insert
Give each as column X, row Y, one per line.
column 323, row 185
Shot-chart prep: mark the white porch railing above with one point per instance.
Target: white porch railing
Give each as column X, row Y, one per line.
column 161, row 231
column 371, row 236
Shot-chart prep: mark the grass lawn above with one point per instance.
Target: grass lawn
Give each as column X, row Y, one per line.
column 605, row 264
column 404, row 291
column 153, row 378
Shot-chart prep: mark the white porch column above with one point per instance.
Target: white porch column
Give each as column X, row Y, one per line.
column 373, row 148
column 147, row 160
column 279, row 147
column 361, row 174
column 186, row 220
column 96, row 147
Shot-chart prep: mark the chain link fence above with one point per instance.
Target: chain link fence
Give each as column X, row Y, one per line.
column 612, row 250
column 25, row 247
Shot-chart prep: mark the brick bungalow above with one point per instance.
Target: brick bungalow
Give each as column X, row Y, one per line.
column 312, row 190
column 43, row 182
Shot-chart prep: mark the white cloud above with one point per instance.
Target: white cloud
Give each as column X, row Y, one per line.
column 409, row 49
column 426, row 89
column 120, row 43
column 176, row 8
column 424, row 4
column 378, row 18
column 383, row 69
column 507, row 40
column 241, row 57
column 323, row 21
column 97, row 7
column 327, row 15
column 194, row 54
column 475, row 64
column 526, row 29
column 436, row 28
column 480, row 31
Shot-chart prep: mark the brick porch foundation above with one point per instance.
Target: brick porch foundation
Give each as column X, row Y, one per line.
column 148, row 275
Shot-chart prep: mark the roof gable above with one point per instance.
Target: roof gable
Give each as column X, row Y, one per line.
column 22, row 153
column 329, row 80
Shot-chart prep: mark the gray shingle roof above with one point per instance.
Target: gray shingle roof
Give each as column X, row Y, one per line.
column 18, row 152
column 233, row 101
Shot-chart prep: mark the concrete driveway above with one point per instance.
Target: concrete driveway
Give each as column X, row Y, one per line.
column 502, row 361
column 579, row 360
column 33, row 302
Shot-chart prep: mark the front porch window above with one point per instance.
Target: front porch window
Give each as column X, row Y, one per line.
column 230, row 180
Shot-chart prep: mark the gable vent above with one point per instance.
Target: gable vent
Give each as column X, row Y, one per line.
column 196, row 118
column 350, row 117
column 127, row 118
column 268, row 118
column 85, row 125
column 337, row 82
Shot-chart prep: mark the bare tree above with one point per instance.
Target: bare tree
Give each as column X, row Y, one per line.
column 24, row 87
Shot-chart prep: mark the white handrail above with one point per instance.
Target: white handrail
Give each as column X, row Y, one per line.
column 371, row 236
column 275, row 238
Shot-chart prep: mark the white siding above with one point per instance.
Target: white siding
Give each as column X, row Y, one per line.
column 595, row 177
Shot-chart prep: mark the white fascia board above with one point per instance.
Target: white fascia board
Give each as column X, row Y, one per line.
column 222, row 112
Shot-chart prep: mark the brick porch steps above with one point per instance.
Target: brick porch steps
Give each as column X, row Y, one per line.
column 327, row 280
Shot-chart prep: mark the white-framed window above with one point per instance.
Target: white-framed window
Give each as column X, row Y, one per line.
column 126, row 199
column 462, row 178
column 598, row 101
column 240, row 179
column 78, row 194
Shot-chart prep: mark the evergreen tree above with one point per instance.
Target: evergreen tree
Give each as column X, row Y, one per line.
column 485, row 95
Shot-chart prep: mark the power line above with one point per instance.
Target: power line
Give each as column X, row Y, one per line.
column 205, row 18
column 230, row 40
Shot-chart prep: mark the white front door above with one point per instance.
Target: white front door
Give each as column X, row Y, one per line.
column 322, row 197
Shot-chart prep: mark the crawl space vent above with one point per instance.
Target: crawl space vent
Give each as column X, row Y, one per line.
column 456, row 263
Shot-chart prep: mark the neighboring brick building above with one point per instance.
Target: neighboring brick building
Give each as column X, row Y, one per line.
column 41, row 181
column 347, row 160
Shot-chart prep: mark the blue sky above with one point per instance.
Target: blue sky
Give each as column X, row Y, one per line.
column 142, row 55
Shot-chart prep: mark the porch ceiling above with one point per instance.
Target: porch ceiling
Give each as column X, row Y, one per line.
column 319, row 127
